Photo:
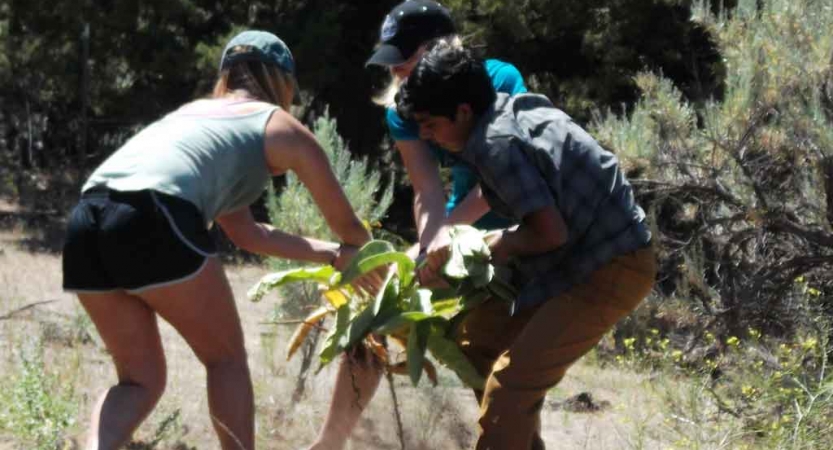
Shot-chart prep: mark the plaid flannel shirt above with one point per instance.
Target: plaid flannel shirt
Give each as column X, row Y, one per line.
column 530, row 155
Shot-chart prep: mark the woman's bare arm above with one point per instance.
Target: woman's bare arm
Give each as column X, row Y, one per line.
column 291, row 146
column 429, row 198
column 472, row 208
column 261, row 238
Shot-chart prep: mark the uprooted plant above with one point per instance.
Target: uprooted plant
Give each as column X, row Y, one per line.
column 419, row 319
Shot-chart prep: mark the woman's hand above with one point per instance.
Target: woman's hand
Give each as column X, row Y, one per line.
column 436, row 255
column 368, row 284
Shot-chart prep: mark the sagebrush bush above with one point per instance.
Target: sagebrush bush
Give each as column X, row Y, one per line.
column 741, row 190
column 741, row 187
column 35, row 406
column 295, row 211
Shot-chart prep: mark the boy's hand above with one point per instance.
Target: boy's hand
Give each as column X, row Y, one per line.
column 494, row 239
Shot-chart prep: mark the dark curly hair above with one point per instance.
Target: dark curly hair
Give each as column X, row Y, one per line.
column 444, row 78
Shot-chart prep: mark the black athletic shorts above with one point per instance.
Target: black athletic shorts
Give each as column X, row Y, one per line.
column 133, row 241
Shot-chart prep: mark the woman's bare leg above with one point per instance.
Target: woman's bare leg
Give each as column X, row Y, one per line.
column 203, row 311
column 129, row 330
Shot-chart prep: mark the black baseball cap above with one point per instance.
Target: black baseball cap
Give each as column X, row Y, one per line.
column 406, row 27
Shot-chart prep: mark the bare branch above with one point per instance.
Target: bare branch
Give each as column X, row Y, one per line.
column 14, row 312
column 816, row 237
column 667, row 187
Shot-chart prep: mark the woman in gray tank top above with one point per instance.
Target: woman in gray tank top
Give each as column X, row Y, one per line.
column 137, row 243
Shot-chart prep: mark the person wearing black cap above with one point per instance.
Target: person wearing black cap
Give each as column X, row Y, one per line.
column 407, row 30
column 137, row 243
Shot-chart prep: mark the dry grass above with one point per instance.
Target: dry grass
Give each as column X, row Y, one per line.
column 434, row 418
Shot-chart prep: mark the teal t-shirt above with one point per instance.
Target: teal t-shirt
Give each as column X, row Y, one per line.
column 505, row 78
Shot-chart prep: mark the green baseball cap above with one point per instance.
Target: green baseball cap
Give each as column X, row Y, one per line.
column 259, row 46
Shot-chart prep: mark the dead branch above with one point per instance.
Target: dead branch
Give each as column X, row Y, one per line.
column 817, row 237
column 400, row 431
column 12, row 313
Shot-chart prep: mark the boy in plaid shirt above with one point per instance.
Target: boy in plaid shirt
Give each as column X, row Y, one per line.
column 581, row 255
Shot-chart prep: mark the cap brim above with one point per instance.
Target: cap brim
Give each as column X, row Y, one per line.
column 386, row 55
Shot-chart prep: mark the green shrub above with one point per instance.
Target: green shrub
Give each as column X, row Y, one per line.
column 35, row 406
column 748, row 390
column 742, row 186
column 295, row 211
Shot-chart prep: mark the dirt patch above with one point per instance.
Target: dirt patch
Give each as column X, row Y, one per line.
column 581, row 403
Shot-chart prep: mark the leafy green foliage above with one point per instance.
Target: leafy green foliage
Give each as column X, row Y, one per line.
column 421, row 317
column 741, row 187
column 770, row 392
column 325, row 274
column 33, row 404
column 584, row 55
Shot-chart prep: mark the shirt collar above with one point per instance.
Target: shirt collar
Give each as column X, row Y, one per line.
column 478, row 134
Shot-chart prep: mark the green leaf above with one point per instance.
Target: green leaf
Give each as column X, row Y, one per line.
column 333, row 344
column 415, row 316
column 448, row 353
column 404, row 264
column 480, row 273
column 391, row 324
column 455, row 267
column 469, row 256
column 447, row 293
column 359, row 326
column 372, row 248
column 322, row 274
column 417, row 344
column 447, row 308
column 388, row 297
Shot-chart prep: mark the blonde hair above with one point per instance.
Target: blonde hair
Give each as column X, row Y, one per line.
column 387, row 95
column 261, row 81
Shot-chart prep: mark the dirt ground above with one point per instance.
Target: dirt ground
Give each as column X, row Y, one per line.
column 433, row 418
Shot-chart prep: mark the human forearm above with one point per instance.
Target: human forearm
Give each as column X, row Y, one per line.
column 541, row 231
column 472, row 208
column 512, row 242
column 429, row 198
column 351, row 231
column 312, row 167
column 267, row 240
column 429, row 215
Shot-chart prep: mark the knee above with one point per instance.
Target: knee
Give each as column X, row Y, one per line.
column 230, row 359
column 151, row 377
column 156, row 386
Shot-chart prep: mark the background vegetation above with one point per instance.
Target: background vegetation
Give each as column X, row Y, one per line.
column 721, row 112
column 78, row 77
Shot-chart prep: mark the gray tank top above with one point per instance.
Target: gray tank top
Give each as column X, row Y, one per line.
column 207, row 155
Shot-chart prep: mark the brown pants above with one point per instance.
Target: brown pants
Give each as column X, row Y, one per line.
column 525, row 355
